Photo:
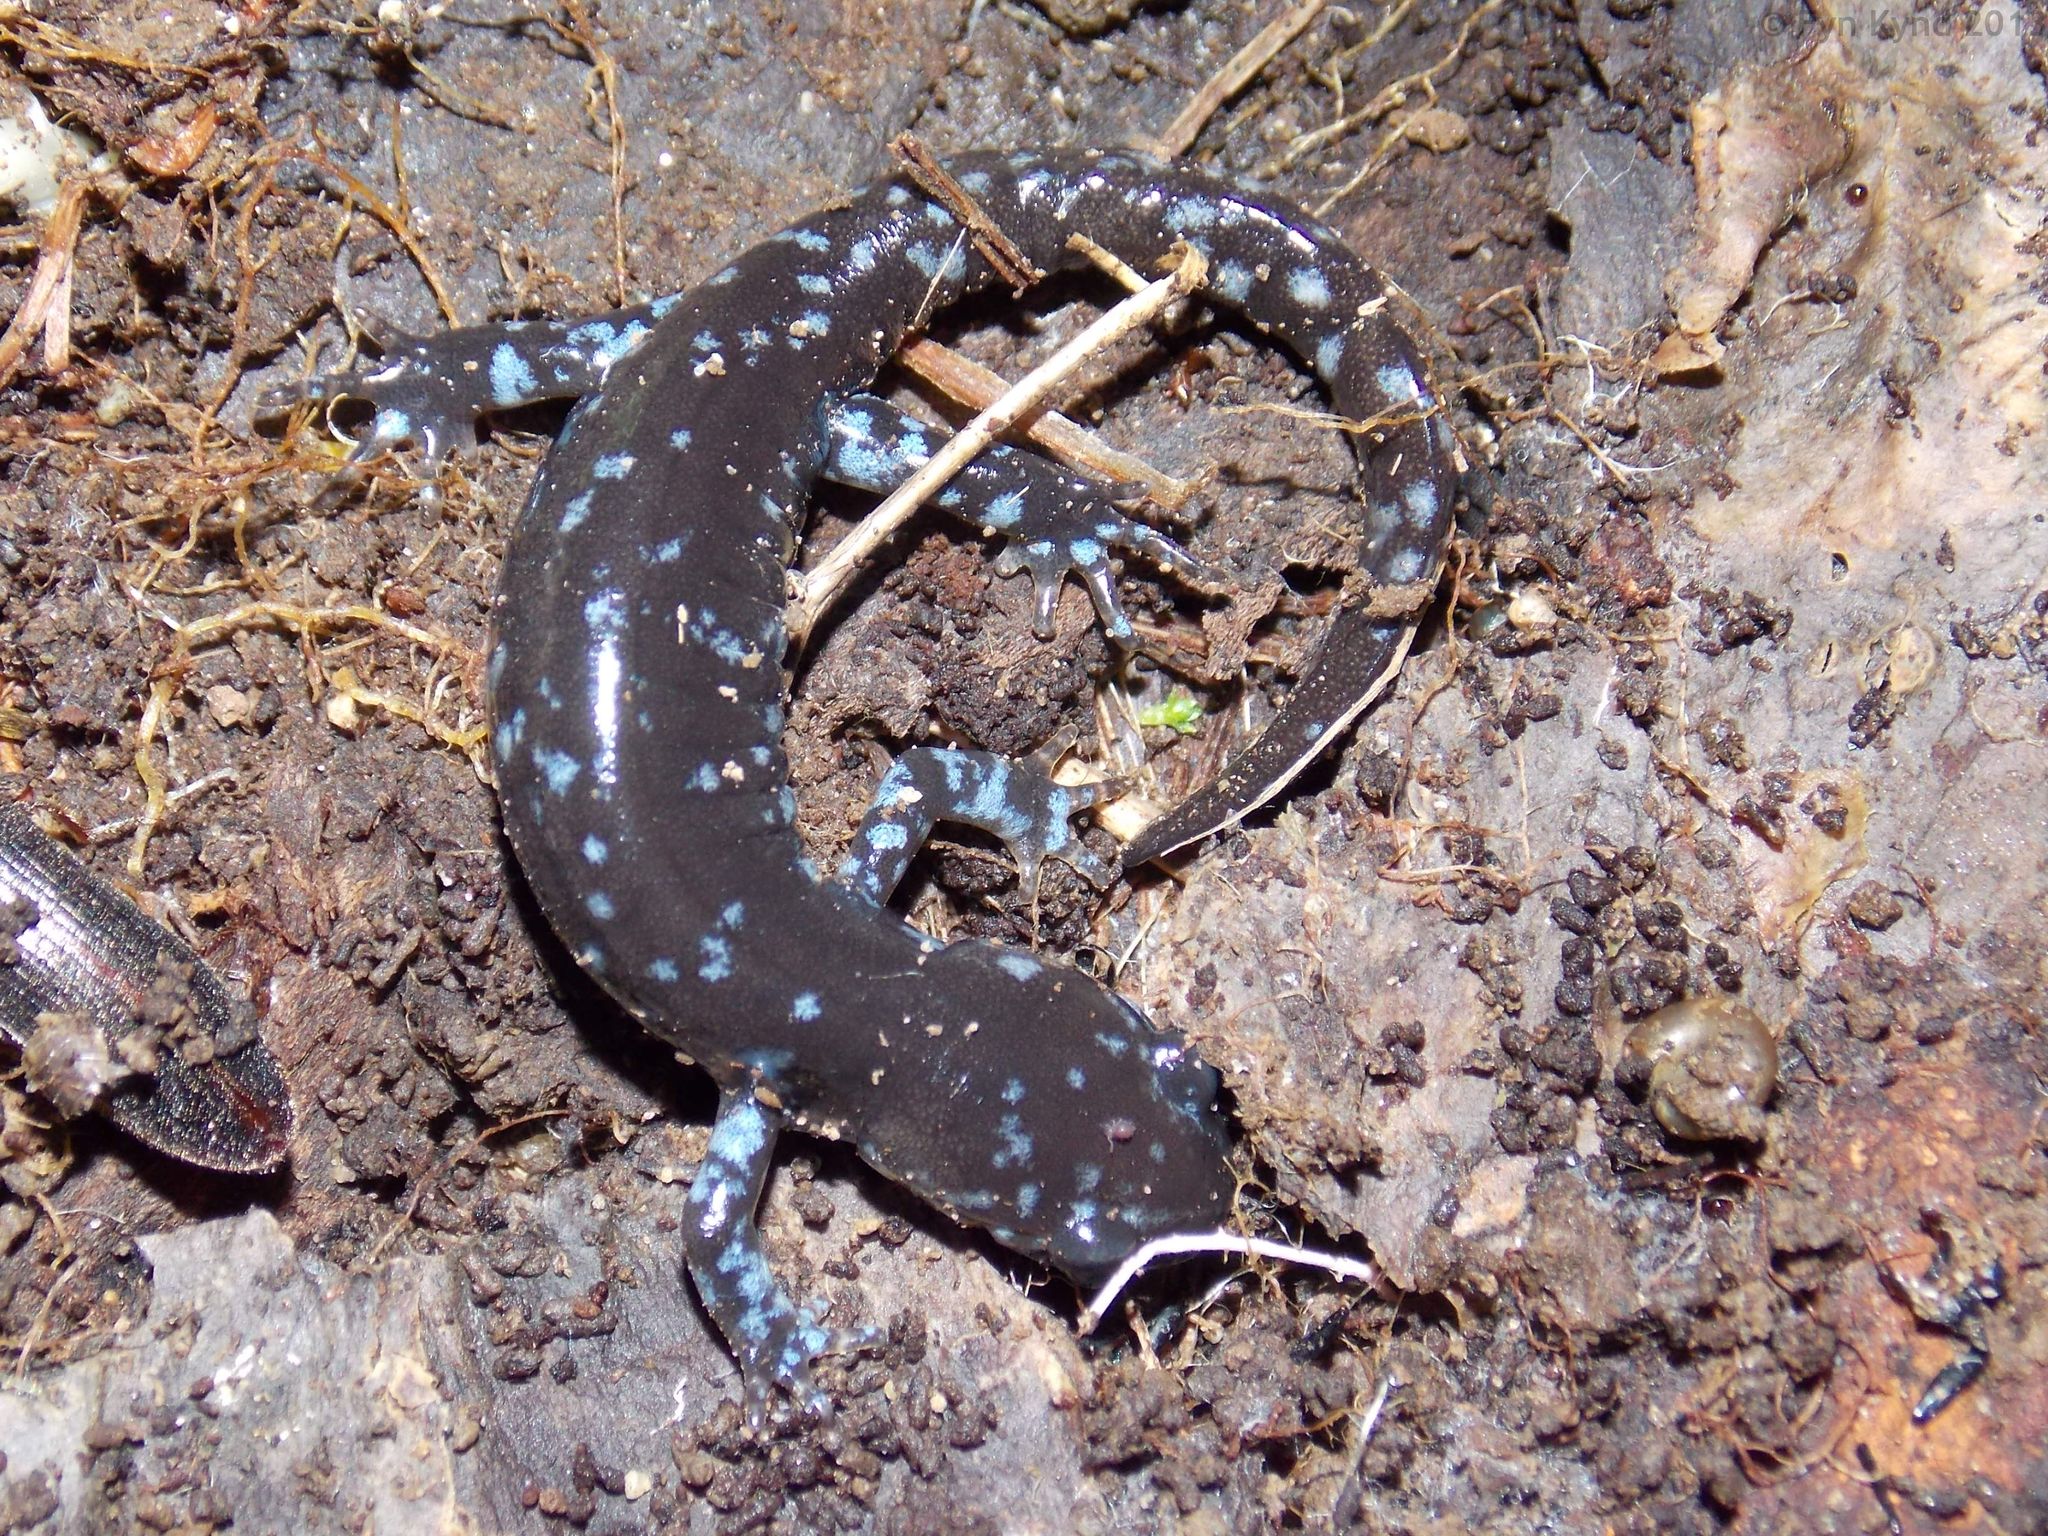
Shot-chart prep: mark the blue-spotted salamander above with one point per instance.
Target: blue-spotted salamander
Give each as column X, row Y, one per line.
column 638, row 687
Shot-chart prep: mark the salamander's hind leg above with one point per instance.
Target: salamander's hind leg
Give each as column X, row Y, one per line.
column 773, row 1338
column 1015, row 801
column 428, row 390
column 1053, row 522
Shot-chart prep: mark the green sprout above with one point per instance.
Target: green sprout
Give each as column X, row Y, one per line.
column 1178, row 711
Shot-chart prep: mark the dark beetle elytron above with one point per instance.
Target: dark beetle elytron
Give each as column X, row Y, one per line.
column 75, row 953
column 637, row 691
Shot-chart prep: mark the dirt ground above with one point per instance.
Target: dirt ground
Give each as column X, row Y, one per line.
column 1729, row 730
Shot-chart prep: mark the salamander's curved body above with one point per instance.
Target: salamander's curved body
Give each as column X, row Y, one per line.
column 638, row 690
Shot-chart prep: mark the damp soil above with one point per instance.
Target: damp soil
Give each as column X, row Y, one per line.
column 1735, row 700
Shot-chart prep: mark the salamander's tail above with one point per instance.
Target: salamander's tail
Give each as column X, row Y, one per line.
column 1357, row 661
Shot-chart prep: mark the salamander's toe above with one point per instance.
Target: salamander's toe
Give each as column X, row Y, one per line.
column 1077, row 541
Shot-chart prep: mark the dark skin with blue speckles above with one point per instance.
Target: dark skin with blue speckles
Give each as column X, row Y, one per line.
column 638, row 688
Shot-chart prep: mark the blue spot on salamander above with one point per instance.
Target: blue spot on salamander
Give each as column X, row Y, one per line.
column 737, row 1139
column 1017, row 1148
column 1309, row 288
column 557, row 767
column 1397, row 381
column 512, row 377
column 1421, row 500
column 935, row 264
column 716, row 953
column 1021, row 966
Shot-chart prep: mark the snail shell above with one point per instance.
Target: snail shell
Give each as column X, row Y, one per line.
column 1711, row 1065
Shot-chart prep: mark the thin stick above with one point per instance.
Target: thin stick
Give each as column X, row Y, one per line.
column 1234, row 76
column 46, row 306
column 110, row 829
column 974, row 386
column 812, row 595
column 205, row 630
column 1177, row 1243
column 996, row 248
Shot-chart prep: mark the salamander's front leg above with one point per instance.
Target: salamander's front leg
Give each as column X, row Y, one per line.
column 1015, row 801
column 1052, row 522
column 427, row 390
column 774, row 1339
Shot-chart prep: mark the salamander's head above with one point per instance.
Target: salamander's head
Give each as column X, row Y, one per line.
column 1055, row 1116
column 1150, row 1121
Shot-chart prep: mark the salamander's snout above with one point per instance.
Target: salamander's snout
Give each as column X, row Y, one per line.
column 1156, row 1147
